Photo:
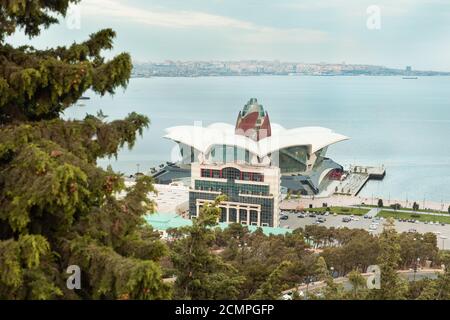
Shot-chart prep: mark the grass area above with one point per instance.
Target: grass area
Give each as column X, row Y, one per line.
column 409, row 209
column 341, row 210
column 420, row 217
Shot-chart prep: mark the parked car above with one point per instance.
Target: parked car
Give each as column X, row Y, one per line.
column 346, row 219
column 321, row 220
column 301, row 215
column 312, row 215
column 412, row 230
column 287, row 296
column 373, row 227
column 284, row 217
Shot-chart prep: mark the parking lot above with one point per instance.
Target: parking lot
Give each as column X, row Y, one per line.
column 442, row 232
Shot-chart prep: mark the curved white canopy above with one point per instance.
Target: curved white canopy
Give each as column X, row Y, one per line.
column 204, row 138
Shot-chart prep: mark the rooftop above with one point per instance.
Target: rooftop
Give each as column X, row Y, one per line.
column 165, row 221
column 205, row 138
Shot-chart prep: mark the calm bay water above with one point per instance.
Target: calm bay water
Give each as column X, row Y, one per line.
column 403, row 124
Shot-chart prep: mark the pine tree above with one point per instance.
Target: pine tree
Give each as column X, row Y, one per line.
column 392, row 286
column 57, row 207
column 359, row 286
column 321, row 269
column 439, row 289
column 202, row 274
column 272, row 288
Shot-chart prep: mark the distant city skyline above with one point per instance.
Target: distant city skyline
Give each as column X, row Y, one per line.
column 177, row 68
column 411, row 32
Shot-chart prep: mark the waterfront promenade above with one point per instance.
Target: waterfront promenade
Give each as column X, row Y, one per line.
column 348, row 201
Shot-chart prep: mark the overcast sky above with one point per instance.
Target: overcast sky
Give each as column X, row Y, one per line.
column 412, row 32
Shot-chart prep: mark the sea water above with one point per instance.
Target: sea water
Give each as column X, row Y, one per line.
column 403, row 124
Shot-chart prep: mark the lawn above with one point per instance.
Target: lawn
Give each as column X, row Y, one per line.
column 341, row 210
column 409, row 209
column 420, row 217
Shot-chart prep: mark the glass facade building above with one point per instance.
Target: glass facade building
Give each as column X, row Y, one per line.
column 252, row 193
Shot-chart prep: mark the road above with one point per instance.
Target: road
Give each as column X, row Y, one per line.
column 408, row 274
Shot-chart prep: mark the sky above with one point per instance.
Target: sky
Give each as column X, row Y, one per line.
column 393, row 33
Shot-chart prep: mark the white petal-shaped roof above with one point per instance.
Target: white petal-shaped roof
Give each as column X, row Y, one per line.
column 204, row 138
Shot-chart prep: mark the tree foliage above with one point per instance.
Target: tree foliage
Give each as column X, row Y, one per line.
column 202, row 274
column 57, row 207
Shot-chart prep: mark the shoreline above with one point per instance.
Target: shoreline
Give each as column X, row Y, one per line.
column 348, row 201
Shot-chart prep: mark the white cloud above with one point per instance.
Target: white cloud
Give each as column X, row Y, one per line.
column 250, row 32
column 158, row 17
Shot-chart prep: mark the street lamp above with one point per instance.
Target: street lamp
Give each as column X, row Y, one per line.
column 242, row 246
column 416, row 264
column 443, row 242
column 308, row 280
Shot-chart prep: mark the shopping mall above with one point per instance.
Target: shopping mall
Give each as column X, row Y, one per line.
column 251, row 162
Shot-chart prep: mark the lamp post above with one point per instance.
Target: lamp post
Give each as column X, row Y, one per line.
column 308, row 281
column 242, row 246
column 416, row 265
column 443, row 238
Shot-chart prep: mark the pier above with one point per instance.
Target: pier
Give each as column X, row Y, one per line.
column 357, row 177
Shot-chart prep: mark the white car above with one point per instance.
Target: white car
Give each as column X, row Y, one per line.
column 287, row 296
column 373, row 227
